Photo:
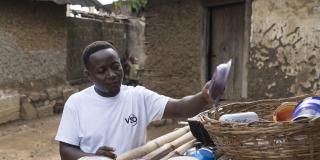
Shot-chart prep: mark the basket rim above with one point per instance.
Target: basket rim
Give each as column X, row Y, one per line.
column 262, row 139
column 204, row 116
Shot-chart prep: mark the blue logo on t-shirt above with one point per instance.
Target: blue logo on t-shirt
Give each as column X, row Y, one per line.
column 132, row 119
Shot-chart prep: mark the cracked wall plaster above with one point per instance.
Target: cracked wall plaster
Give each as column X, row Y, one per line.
column 284, row 48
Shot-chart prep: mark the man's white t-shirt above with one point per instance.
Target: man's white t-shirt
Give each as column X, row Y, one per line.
column 91, row 121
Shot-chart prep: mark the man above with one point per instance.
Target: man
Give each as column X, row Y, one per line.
column 109, row 118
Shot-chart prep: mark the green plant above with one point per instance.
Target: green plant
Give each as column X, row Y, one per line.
column 132, row 5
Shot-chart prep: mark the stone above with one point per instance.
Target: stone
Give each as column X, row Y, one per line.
column 46, row 110
column 34, row 96
column 43, row 96
column 9, row 108
column 37, row 104
column 68, row 92
column 60, row 102
column 46, row 102
column 27, row 110
column 53, row 93
column 60, row 89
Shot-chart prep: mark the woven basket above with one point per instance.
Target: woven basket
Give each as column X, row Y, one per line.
column 263, row 139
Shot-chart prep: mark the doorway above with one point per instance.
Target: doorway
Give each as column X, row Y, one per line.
column 229, row 39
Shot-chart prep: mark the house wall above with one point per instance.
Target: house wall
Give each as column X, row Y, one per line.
column 136, row 40
column 285, row 48
column 174, row 47
column 32, row 44
column 82, row 32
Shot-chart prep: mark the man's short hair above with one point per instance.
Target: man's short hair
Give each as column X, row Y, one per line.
column 94, row 47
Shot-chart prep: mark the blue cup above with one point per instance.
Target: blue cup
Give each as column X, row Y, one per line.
column 307, row 108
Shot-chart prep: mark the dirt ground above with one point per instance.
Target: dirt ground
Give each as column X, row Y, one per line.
column 34, row 139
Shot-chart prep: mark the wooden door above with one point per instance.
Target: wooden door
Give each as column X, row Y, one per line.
column 227, row 42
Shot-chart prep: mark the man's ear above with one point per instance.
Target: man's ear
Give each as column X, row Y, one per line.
column 86, row 73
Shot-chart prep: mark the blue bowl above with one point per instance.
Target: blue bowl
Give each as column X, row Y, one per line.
column 203, row 154
column 307, row 108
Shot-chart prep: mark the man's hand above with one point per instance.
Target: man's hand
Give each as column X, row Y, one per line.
column 205, row 93
column 106, row 151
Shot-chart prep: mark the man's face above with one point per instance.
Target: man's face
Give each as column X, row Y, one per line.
column 105, row 71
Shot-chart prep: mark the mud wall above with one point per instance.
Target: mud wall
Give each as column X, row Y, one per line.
column 285, row 48
column 136, row 40
column 81, row 32
column 127, row 37
column 32, row 44
column 173, row 47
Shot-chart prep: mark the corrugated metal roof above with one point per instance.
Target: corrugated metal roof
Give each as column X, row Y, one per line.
column 86, row 3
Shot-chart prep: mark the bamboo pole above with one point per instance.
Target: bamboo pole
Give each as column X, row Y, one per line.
column 167, row 148
column 154, row 144
column 180, row 150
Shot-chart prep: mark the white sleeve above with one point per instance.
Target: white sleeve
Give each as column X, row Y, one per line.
column 68, row 131
column 155, row 104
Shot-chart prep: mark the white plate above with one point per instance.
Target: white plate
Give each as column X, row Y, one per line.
column 183, row 158
column 94, row 158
